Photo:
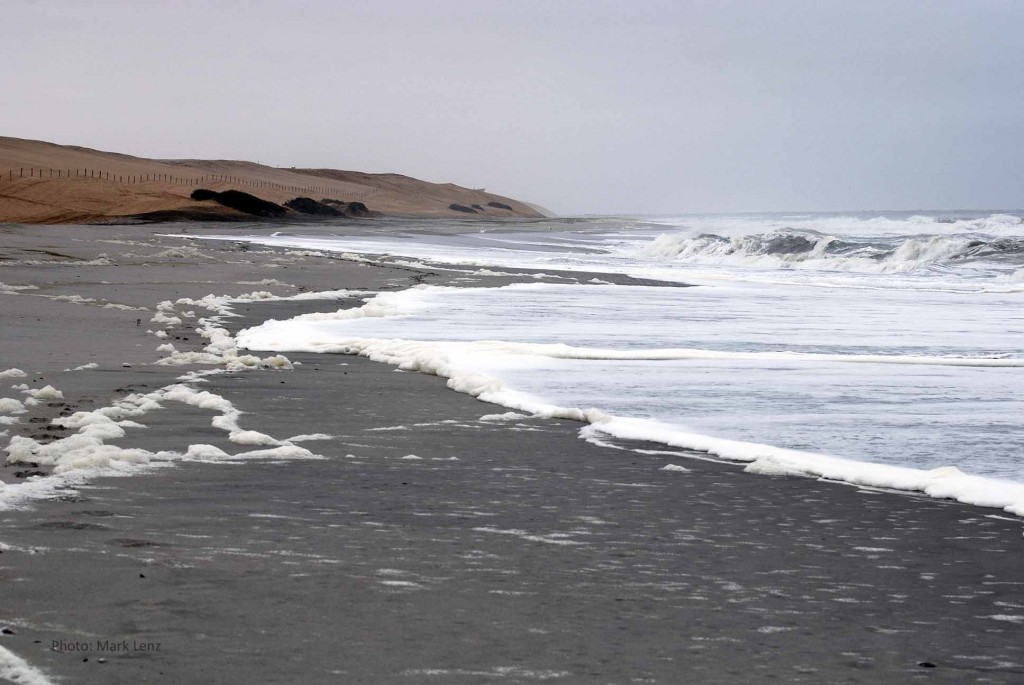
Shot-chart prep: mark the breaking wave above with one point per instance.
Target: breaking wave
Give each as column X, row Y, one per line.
column 793, row 249
column 1003, row 225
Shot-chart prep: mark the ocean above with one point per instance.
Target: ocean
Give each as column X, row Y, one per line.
column 882, row 349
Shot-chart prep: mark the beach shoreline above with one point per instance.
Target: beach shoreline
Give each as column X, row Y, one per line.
column 532, row 555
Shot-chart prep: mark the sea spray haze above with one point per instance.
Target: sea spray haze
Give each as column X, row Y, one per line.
column 880, row 349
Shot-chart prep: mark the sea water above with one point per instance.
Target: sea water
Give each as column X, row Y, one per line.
column 879, row 349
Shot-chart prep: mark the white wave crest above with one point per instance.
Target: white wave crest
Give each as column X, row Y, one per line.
column 795, row 250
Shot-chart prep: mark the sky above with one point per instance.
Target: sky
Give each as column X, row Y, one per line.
column 596, row 106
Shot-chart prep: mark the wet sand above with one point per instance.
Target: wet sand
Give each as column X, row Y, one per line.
column 507, row 552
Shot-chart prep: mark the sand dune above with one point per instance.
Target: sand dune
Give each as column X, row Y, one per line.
column 47, row 183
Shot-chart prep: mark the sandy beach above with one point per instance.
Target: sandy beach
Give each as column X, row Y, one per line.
column 417, row 542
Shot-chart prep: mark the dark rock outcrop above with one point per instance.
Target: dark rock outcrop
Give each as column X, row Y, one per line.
column 307, row 205
column 357, row 209
column 243, row 202
column 250, row 204
column 461, row 208
column 478, row 208
column 500, row 205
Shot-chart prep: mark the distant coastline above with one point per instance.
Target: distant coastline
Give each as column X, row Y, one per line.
column 46, row 183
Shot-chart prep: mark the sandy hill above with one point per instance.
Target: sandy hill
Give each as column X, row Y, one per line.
column 47, row 183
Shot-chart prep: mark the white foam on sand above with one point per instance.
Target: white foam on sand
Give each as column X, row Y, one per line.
column 101, row 260
column 39, row 395
column 9, row 405
column 124, row 307
column 16, row 670
column 8, row 289
column 507, row 416
column 79, row 457
column 203, row 452
column 326, row 295
column 74, row 299
column 267, row 281
column 47, row 392
column 514, row 672
column 252, row 438
column 164, row 320
column 184, row 252
column 309, row 437
column 454, row 361
column 946, row 482
column 221, row 348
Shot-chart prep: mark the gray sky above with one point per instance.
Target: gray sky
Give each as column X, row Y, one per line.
column 599, row 106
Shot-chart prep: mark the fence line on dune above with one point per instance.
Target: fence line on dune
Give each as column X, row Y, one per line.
column 135, row 179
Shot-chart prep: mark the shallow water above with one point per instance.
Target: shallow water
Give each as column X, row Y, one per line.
column 896, row 340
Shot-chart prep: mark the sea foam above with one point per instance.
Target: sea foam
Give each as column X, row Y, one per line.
column 479, row 368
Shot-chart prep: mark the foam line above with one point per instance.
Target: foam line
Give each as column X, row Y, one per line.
column 448, row 361
column 16, row 670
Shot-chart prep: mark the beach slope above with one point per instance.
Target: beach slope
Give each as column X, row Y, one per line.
column 412, row 534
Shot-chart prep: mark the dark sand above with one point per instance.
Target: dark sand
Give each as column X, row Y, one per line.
column 531, row 556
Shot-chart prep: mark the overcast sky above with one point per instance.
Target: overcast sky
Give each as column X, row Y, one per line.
column 624, row 106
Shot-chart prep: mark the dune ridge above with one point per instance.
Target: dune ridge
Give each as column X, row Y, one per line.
column 47, row 183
